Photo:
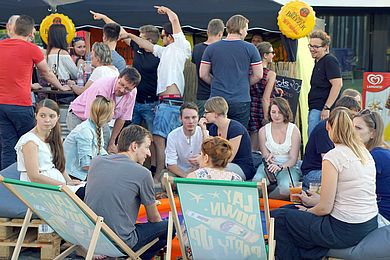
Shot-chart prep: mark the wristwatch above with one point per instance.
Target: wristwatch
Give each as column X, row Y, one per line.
column 326, row 108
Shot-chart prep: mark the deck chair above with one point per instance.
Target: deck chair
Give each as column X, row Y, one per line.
column 70, row 218
column 222, row 218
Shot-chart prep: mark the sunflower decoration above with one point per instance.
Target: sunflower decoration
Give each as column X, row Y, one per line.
column 375, row 106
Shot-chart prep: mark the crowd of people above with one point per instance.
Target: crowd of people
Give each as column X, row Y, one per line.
column 238, row 113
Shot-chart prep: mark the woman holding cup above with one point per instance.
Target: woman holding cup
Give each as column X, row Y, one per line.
column 280, row 141
column 346, row 211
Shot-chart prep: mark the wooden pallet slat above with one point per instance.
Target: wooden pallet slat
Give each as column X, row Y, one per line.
column 49, row 243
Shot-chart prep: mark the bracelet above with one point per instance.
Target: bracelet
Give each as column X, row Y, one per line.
column 306, row 209
column 326, row 107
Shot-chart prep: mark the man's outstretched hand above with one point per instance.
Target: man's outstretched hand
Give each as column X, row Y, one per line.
column 97, row 16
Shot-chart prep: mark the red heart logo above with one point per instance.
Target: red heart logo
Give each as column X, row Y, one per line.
column 374, row 79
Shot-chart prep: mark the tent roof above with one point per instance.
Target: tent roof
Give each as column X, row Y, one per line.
column 345, row 3
column 195, row 14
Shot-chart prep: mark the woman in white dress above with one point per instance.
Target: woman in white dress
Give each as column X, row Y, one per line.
column 280, row 141
column 40, row 155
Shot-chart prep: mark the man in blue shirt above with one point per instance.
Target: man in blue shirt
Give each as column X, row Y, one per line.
column 319, row 144
column 230, row 61
column 111, row 33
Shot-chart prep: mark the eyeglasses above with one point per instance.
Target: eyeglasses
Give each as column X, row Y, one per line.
column 368, row 112
column 268, row 52
column 314, row 46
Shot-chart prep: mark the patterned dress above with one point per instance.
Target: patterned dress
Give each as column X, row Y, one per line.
column 256, row 108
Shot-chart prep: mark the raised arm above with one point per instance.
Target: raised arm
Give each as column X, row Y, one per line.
column 106, row 19
column 172, row 16
column 142, row 43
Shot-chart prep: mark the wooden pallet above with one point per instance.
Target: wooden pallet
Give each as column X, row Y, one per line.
column 49, row 243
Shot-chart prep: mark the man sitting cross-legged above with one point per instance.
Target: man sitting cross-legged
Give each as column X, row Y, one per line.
column 118, row 184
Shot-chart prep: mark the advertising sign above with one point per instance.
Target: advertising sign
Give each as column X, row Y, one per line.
column 376, row 92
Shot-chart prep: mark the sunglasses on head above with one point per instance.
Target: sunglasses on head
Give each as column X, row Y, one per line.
column 368, row 112
column 77, row 38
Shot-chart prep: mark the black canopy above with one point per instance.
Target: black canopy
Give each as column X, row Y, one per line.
column 135, row 13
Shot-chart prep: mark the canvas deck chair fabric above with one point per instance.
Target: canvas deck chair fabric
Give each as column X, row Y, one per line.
column 70, row 218
column 222, row 218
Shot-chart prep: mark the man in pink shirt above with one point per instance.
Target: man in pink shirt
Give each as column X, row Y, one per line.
column 122, row 90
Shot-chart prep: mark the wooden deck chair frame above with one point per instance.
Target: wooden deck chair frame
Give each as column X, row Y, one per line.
column 98, row 221
column 167, row 182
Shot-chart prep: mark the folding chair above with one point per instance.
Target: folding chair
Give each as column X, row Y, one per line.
column 222, row 218
column 70, row 218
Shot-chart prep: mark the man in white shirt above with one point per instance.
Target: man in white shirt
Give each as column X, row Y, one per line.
column 170, row 79
column 184, row 143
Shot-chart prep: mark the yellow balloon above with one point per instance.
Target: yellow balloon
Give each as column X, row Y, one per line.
column 296, row 19
column 387, row 133
column 57, row 19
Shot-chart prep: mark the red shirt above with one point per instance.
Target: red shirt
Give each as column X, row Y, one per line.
column 17, row 58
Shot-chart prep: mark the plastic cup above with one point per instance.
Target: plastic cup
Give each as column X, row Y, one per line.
column 296, row 189
column 315, row 187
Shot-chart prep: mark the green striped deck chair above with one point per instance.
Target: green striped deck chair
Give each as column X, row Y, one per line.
column 70, row 218
column 222, row 218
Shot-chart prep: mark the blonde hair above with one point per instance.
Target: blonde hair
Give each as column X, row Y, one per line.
column 236, row 23
column 217, row 105
column 343, row 132
column 322, row 36
column 100, row 114
column 374, row 122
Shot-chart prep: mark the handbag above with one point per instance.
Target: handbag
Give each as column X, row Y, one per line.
column 273, row 182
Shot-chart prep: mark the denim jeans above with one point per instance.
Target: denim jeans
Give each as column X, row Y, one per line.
column 147, row 232
column 310, row 177
column 166, row 119
column 144, row 112
column 15, row 121
column 313, row 119
column 240, row 112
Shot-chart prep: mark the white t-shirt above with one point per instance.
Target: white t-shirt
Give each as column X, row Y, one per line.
column 355, row 200
column 104, row 72
column 172, row 60
column 180, row 147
